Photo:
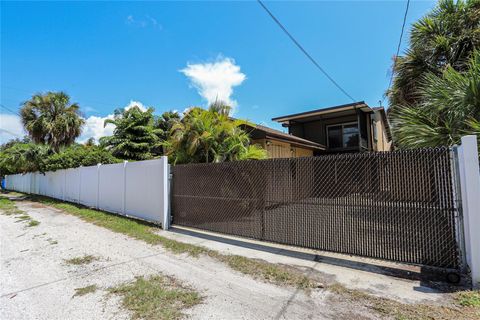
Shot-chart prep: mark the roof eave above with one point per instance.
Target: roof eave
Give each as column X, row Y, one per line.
column 350, row 106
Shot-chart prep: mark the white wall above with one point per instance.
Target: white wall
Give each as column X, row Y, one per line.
column 137, row 189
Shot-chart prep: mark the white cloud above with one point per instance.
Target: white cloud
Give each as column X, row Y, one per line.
column 94, row 125
column 136, row 103
column 143, row 22
column 94, row 128
column 10, row 127
column 215, row 80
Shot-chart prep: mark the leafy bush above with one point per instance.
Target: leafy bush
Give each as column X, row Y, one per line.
column 79, row 155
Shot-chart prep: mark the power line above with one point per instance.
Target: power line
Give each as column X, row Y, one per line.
column 10, row 133
column 88, row 101
column 304, row 51
column 8, row 109
column 398, row 47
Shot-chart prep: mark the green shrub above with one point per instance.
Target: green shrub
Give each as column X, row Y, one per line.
column 77, row 156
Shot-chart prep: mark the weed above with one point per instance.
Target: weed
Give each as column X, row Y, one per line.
column 85, row 290
column 86, row 259
column 8, row 207
column 33, row 223
column 156, row 297
column 469, row 298
column 397, row 310
column 269, row 272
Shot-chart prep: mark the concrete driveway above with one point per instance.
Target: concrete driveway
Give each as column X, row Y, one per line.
column 38, row 283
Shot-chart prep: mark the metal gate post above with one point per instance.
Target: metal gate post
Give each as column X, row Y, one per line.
column 457, row 198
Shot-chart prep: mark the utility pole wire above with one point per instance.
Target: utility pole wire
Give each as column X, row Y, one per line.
column 3, row 106
column 398, row 48
column 304, row 51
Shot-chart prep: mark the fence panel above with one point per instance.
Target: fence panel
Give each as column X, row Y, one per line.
column 148, row 177
column 137, row 189
column 88, row 186
column 72, row 185
column 393, row 205
column 111, row 187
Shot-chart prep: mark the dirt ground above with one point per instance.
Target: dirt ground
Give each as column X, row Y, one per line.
column 36, row 282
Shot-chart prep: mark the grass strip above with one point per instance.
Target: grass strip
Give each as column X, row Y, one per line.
column 9, row 208
column 469, row 299
column 403, row 311
column 156, row 297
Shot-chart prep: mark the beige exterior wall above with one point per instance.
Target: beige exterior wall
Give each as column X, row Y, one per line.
column 279, row 149
column 381, row 143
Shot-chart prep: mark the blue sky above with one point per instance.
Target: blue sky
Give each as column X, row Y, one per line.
column 171, row 55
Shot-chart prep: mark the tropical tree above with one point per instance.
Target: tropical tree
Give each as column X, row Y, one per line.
column 23, row 157
column 210, row 136
column 444, row 38
column 163, row 125
column 134, row 135
column 449, row 109
column 50, row 119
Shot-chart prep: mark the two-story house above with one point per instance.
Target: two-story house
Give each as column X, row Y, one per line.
column 353, row 127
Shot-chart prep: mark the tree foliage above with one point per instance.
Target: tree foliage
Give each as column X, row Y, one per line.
column 50, row 119
column 22, row 157
column 449, row 109
column 163, row 126
column 134, row 135
column 210, row 136
column 444, row 38
column 78, row 155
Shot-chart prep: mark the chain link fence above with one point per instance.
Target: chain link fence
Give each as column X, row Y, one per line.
column 395, row 206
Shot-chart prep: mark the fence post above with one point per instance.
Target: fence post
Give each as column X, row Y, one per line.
column 124, row 196
column 64, row 184
column 98, row 185
column 470, row 193
column 79, row 183
column 165, row 193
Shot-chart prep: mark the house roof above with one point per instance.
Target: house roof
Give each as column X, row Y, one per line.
column 344, row 107
column 285, row 137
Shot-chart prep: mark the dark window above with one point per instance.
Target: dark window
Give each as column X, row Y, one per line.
column 335, row 137
column 343, row 136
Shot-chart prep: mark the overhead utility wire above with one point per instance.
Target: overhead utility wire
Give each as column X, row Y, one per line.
column 398, row 47
column 14, row 112
column 304, row 51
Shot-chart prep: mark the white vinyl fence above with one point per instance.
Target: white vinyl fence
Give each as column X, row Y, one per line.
column 135, row 189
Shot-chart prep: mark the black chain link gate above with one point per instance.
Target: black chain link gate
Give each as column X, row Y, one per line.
column 389, row 205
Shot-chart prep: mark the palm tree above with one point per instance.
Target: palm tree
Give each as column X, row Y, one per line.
column 134, row 135
column 444, row 38
column 449, row 109
column 50, row 119
column 210, row 136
